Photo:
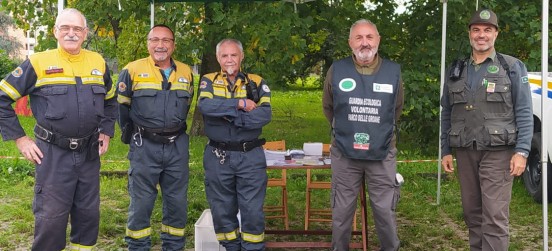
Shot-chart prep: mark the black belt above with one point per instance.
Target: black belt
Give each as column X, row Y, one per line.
column 73, row 144
column 244, row 146
column 158, row 136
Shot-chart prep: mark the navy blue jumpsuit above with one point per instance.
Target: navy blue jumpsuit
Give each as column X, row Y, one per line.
column 235, row 179
column 157, row 106
column 71, row 97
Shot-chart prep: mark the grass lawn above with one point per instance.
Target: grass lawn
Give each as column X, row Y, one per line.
column 298, row 118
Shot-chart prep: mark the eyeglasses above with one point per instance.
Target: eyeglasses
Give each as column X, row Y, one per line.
column 156, row 40
column 67, row 28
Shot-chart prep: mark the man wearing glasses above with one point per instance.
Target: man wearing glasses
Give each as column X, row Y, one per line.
column 75, row 111
column 154, row 94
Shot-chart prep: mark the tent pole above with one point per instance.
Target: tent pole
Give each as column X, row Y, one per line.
column 60, row 5
column 544, row 117
column 443, row 48
column 152, row 13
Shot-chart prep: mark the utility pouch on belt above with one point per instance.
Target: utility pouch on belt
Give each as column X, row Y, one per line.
column 126, row 132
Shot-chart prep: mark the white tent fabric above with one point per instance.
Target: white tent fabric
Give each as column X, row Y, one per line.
column 544, row 116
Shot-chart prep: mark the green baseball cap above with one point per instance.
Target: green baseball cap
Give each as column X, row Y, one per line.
column 484, row 16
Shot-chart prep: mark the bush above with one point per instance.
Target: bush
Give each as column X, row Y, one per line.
column 6, row 64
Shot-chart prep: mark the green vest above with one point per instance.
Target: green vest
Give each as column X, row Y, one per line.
column 364, row 109
column 484, row 116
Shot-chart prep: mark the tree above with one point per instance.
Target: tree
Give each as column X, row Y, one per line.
column 8, row 44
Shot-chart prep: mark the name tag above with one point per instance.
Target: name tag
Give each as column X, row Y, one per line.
column 387, row 88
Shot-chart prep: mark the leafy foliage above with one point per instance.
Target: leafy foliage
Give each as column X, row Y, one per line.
column 285, row 43
column 6, row 64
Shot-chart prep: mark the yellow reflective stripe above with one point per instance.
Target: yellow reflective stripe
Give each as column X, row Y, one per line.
column 264, row 100
column 253, row 237
column 180, row 86
column 204, row 95
column 55, row 81
column 146, row 85
column 138, row 233
column 123, row 100
column 110, row 94
column 172, row 230
column 8, row 89
column 78, row 247
column 218, row 92
column 92, row 80
column 228, row 236
column 241, row 93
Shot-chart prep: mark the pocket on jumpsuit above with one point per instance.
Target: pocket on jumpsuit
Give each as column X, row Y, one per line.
column 38, row 200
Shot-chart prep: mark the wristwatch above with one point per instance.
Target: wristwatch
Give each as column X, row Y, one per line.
column 525, row 155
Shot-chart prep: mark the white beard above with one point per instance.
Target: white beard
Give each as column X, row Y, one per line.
column 366, row 55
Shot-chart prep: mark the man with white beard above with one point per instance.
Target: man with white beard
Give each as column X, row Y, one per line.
column 363, row 145
column 154, row 96
column 235, row 107
column 487, row 119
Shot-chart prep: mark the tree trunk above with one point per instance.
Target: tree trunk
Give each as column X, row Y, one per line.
column 208, row 64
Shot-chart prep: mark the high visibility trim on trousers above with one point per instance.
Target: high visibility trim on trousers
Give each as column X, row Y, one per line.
column 255, row 238
column 79, row 247
column 228, row 236
column 172, row 230
column 138, row 233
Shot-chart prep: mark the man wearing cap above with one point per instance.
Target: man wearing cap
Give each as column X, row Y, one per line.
column 487, row 120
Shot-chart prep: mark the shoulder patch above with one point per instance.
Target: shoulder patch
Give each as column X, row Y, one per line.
column 265, row 88
column 17, row 72
column 203, row 84
column 96, row 72
column 122, row 86
column 525, row 79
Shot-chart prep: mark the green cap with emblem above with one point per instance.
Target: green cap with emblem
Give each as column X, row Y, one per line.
column 484, row 16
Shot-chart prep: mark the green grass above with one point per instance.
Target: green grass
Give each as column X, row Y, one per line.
column 298, row 118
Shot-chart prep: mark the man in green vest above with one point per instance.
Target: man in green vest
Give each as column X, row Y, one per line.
column 487, row 119
column 363, row 99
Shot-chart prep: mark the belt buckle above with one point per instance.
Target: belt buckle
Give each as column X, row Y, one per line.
column 73, row 144
column 171, row 139
column 245, row 146
column 47, row 137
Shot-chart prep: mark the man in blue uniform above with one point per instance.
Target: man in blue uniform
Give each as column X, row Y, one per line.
column 363, row 99
column 75, row 111
column 154, row 94
column 235, row 107
column 487, row 119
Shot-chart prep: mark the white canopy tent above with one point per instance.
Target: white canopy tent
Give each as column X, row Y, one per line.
column 544, row 104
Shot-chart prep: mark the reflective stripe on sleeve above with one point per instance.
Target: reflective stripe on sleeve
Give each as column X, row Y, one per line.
column 123, row 100
column 206, row 95
column 110, row 94
column 172, row 230
column 138, row 233
column 8, row 89
column 253, row 237
column 79, row 247
column 228, row 236
column 264, row 100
